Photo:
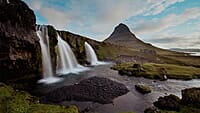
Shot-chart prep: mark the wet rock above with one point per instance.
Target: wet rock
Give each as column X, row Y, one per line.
column 143, row 88
column 20, row 54
column 191, row 96
column 52, row 32
column 125, row 72
column 152, row 110
column 96, row 89
column 170, row 102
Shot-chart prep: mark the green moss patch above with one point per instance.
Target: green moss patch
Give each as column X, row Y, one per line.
column 157, row 71
column 12, row 101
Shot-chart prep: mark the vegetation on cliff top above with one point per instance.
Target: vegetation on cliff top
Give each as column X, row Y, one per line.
column 157, row 71
column 12, row 101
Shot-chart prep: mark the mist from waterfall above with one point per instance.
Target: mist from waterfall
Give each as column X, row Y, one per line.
column 66, row 60
column 91, row 55
column 48, row 78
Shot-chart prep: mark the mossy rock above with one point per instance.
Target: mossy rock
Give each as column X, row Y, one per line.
column 12, row 101
column 143, row 88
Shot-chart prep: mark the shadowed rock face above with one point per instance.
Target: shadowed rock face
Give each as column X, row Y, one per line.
column 19, row 45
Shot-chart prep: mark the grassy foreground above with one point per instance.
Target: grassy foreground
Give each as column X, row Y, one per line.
column 12, row 101
column 156, row 71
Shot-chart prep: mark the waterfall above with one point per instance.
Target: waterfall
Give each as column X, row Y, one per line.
column 7, row 1
column 91, row 55
column 67, row 62
column 42, row 33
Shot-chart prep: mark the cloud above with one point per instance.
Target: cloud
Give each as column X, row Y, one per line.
column 191, row 40
column 96, row 19
column 159, row 6
column 98, row 16
column 167, row 21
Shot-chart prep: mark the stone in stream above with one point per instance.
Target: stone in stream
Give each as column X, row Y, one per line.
column 170, row 102
column 191, row 96
column 95, row 89
column 143, row 88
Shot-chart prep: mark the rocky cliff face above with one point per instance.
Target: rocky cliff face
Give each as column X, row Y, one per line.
column 19, row 46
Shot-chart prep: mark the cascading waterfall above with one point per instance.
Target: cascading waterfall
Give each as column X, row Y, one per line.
column 67, row 62
column 91, row 55
column 7, row 1
column 48, row 78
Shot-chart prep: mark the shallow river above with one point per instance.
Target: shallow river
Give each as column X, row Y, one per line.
column 132, row 101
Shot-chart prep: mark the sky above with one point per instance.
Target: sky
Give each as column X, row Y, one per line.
column 164, row 23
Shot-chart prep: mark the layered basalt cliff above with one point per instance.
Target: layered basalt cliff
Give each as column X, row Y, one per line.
column 19, row 46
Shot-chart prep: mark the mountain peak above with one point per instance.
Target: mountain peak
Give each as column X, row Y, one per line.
column 121, row 28
column 124, row 37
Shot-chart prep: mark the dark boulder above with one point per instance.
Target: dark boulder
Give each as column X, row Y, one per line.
column 170, row 102
column 95, row 89
column 191, row 97
column 19, row 45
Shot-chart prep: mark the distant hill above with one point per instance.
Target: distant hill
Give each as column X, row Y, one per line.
column 185, row 50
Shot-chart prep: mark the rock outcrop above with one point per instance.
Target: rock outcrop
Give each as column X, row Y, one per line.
column 170, row 102
column 19, row 46
column 95, row 89
column 190, row 102
column 191, row 97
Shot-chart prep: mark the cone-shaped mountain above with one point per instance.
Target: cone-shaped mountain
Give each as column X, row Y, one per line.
column 124, row 37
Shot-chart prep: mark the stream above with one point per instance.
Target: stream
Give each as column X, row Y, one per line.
column 131, row 102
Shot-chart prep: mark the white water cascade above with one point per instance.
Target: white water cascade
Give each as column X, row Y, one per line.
column 67, row 62
column 48, row 78
column 91, row 55
column 7, row 1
